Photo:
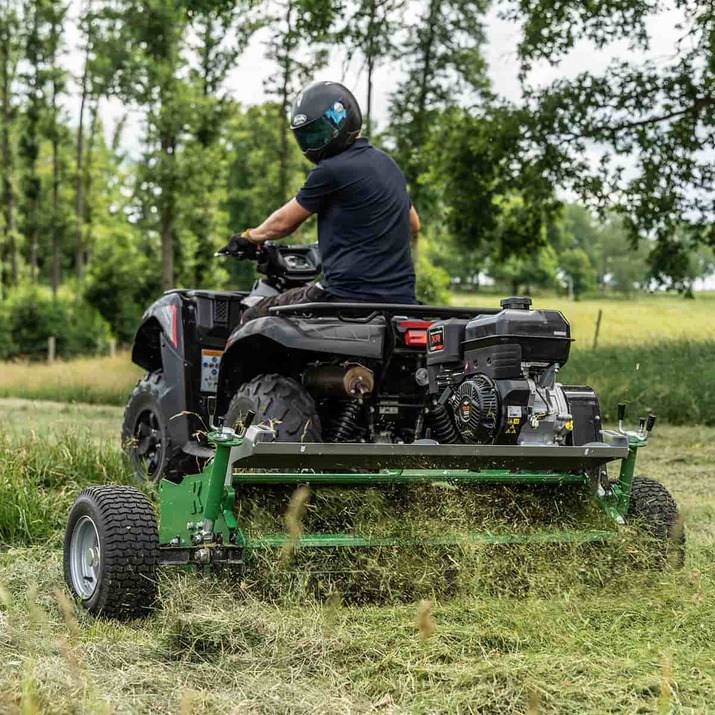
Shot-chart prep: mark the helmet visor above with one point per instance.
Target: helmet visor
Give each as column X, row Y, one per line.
column 316, row 134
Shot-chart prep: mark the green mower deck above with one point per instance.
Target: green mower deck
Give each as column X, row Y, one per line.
column 198, row 524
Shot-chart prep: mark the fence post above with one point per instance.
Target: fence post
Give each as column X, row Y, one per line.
column 598, row 328
column 51, row 349
column 112, row 347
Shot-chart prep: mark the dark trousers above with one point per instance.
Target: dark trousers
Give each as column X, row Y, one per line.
column 295, row 296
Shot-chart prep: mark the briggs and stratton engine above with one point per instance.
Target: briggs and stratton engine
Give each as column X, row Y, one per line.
column 493, row 380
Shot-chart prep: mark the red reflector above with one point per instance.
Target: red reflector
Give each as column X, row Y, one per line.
column 415, row 323
column 415, row 338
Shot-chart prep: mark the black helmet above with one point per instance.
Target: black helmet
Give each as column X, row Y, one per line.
column 325, row 119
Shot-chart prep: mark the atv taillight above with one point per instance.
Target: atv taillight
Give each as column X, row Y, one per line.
column 416, row 338
column 415, row 332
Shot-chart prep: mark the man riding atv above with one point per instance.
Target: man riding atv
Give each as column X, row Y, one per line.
column 365, row 217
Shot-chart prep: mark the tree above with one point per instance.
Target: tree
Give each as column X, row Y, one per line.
column 495, row 200
column 9, row 54
column 298, row 28
column 153, row 34
column 660, row 114
column 443, row 67
column 29, row 148
column 370, row 30
column 222, row 30
column 55, row 18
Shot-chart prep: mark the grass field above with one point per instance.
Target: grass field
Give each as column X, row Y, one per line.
column 640, row 320
column 537, row 632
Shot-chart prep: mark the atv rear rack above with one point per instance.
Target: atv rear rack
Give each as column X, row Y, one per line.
column 365, row 312
column 198, row 524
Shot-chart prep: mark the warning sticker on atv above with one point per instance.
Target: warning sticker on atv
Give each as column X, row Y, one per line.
column 436, row 339
column 210, row 360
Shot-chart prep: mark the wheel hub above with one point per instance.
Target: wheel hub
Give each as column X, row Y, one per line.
column 149, row 450
column 85, row 557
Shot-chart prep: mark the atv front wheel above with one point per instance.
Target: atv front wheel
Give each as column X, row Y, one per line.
column 146, row 440
column 111, row 550
column 279, row 402
column 654, row 512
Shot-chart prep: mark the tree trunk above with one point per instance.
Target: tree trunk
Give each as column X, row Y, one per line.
column 87, row 208
column 56, row 231
column 79, row 179
column 8, row 193
column 285, row 86
column 370, row 57
column 419, row 118
column 167, row 217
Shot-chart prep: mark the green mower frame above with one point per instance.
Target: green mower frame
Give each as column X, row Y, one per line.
column 198, row 524
column 113, row 545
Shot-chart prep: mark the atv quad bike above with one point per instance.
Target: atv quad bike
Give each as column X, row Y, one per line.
column 354, row 393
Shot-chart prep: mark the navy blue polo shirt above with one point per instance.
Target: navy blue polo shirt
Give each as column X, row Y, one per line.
column 360, row 196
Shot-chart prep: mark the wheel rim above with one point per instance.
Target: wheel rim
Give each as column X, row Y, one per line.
column 85, row 557
column 149, row 449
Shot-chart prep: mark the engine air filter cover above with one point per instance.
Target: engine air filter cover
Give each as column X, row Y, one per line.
column 475, row 406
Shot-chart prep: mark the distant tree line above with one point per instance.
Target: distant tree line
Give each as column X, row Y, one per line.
column 83, row 221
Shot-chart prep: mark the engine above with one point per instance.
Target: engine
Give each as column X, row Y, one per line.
column 493, row 380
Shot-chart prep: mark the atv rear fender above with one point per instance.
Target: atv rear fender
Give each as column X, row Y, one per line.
column 273, row 343
column 159, row 345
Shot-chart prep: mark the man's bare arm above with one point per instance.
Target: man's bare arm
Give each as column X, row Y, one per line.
column 414, row 221
column 280, row 223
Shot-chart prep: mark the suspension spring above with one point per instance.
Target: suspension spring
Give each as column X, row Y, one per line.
column 442, row 426
column 346, row 424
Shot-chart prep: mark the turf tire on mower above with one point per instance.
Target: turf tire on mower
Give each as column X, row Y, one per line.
column 279, row 401
column 111, row 550
column 145, row 438
column 656, row 512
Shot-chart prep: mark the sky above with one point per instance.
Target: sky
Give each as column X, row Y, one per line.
column 246, row 81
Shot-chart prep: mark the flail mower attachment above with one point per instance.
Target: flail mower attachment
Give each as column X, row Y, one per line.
column 113, row 545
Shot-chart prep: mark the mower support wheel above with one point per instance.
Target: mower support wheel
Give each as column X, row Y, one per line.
column 653, row 509
column 111, row 551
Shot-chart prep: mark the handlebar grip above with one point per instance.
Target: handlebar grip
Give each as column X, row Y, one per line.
column 621, row 411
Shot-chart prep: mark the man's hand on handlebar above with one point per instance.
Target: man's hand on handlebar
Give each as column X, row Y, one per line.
column 240, row 246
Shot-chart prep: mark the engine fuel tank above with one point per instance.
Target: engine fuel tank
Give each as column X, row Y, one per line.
column 543, row 335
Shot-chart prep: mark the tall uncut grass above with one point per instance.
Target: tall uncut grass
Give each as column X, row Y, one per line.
column 674, row 379
column 39, row 479
column 95, row 380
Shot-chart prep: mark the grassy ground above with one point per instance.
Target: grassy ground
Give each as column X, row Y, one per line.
column 101, row 380
column 543, row 632
column 639, row 320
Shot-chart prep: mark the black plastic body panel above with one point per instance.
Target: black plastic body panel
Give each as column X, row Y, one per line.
column 500, row 362
column 544, row 335
column 444, row 341
column 173, row 332
column 586, row 412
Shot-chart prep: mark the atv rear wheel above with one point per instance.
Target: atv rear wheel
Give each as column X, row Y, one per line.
column 655, row 512
column 280, row 402
column 146, row 440
column 111, row 550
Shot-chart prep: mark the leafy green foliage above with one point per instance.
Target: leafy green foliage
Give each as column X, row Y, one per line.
column 659, row 114
column 32, row 315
